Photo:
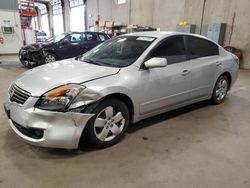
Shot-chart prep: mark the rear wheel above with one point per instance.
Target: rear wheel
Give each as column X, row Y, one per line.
column 220, row 90
column 108, row 125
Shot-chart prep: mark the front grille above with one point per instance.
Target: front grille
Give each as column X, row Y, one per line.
column 30, row 132
column 18, row 95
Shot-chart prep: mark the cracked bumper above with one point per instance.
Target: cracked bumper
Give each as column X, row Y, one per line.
column 53, row 129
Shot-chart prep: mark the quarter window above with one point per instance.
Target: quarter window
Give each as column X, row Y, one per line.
column 172, row 49
column 199, row 47
column 103, row 37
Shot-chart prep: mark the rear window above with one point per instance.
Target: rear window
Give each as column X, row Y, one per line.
column 103, row 37
column 199, row 47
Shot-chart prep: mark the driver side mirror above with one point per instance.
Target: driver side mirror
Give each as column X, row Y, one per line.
column 156, row 62
column 64, row 42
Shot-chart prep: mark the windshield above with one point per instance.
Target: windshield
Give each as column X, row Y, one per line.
column 119, row 52
column 56, row 38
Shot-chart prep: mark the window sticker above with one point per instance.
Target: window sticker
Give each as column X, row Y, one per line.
column 149, row 39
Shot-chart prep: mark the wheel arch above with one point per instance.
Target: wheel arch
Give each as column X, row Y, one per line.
column 225, row 73
column 124, row 98
column 118, row 96
column 229, row 76
column 51, row 52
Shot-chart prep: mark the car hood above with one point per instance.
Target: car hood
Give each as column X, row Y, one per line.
column 39, row 80
column 35, row 47
column 32, row 47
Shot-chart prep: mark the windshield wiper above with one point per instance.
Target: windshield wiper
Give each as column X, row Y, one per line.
column 98, row 63
column 78, row 57
column 91, row 62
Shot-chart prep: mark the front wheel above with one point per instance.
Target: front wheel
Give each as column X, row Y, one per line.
column 220, row 90
column 108, row 125
column 28, row 64
column 49, row 58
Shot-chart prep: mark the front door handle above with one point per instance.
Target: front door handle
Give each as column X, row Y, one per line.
column 218, row 63
column 185, row 72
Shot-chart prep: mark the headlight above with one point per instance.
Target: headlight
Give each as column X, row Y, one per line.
column 23, row 52
column 66, row 97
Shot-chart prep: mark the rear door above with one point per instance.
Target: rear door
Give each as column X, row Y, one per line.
column 204, row 65
column 90, row 41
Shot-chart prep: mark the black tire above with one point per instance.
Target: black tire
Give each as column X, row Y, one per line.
column 215, row 97
column 49, row 58
column 27, row 64
column 90, row 131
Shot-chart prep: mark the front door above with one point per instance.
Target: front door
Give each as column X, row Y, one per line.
column 71, row 46
column 168, row 86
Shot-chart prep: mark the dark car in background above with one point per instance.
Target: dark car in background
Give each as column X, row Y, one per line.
column 66, row 45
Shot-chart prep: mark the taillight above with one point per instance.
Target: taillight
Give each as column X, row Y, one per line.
column 236, row 59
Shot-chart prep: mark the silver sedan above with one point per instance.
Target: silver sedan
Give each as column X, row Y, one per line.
column 126, row 79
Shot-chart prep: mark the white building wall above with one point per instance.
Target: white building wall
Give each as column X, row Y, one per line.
column 12, row 42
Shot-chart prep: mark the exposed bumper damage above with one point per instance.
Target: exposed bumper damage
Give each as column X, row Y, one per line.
column 33, row 57
column 46, row 128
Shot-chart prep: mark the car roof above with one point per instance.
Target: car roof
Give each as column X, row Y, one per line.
column 160, row 34
column 83, row 32
column 164, row 34
column 156, row 34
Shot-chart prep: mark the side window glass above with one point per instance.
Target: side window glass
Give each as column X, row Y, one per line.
column 172, row 49
column 102, row 37
column 201, row 48
column 75, row 38
column 90, row 37
column 65, row 40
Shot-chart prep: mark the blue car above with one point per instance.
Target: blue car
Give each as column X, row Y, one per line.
column 63, row 46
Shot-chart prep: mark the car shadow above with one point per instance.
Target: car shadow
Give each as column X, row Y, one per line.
column 86, row 147
column 166, row 116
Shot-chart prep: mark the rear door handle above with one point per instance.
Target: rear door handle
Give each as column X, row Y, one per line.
column 218, row 63
column 185, row 72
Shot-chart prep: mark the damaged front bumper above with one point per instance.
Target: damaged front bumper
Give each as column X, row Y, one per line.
column 46, row 128
column 33, row 57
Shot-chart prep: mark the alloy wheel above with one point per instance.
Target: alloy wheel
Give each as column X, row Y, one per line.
column 50, row 58
column 109, row 124
column 221, row 89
